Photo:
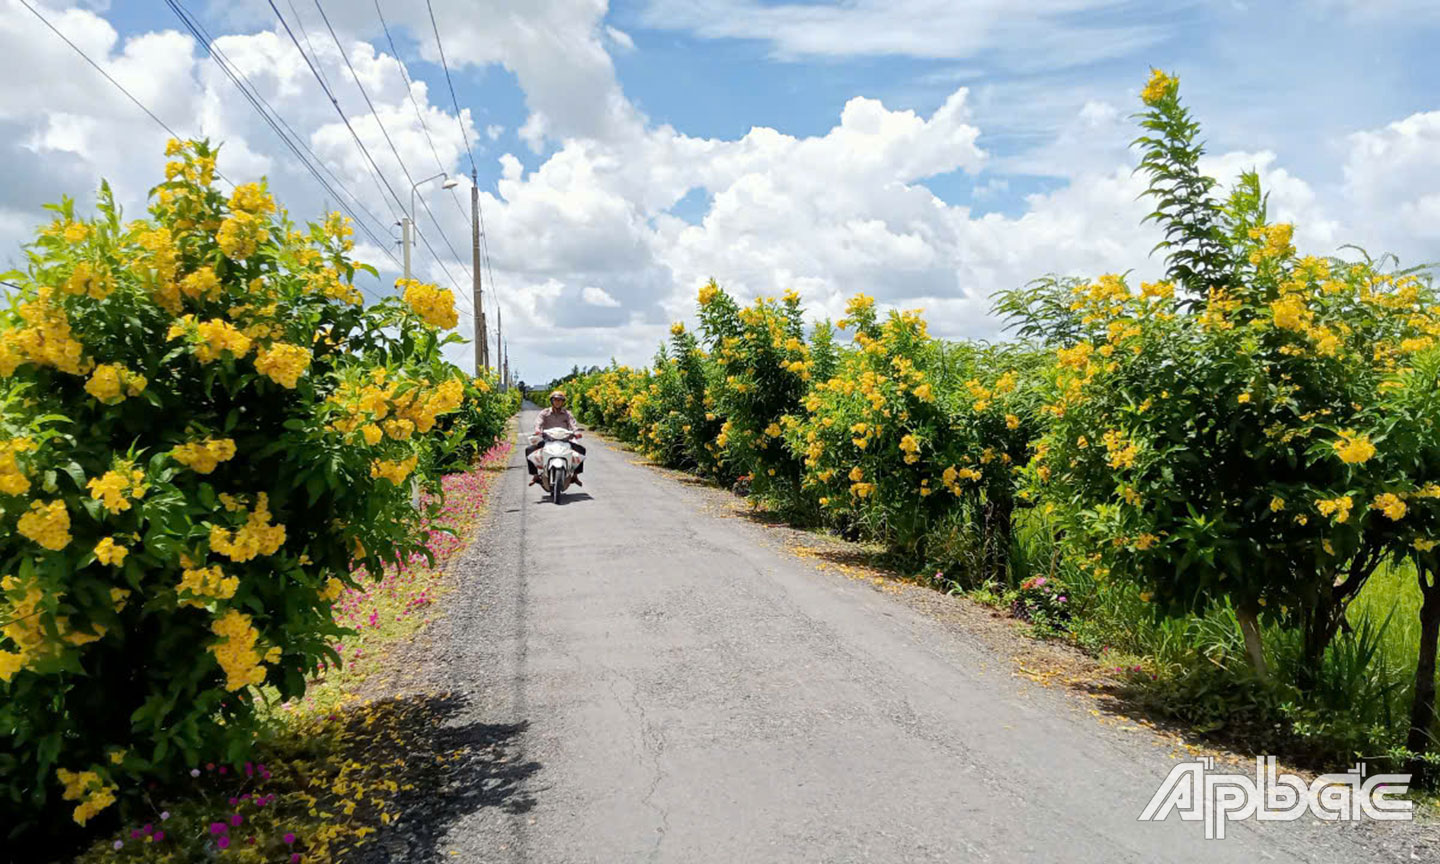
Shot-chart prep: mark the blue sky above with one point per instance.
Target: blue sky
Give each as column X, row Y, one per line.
column 634, row 172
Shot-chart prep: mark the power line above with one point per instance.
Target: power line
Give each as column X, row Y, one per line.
column 305, row 34
column 456, row 102
column 393, row 149
column 257, row 101
column 420, row 115
column 381, row 182
column 108, row 77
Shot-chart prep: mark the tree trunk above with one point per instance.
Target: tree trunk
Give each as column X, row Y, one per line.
column 999, row 514
column 1422, row 709
column 1249, row 617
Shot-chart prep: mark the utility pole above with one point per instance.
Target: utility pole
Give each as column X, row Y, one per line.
column 406, row 228
column 482, row 353
column 499, row 327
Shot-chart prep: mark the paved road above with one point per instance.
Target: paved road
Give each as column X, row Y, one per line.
column 667, row 685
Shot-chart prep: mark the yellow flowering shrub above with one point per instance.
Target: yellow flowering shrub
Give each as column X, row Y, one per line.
column 187, row 472
column 1206, row 435
column 763, row 369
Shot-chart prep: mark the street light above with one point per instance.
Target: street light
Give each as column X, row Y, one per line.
column 407, row 224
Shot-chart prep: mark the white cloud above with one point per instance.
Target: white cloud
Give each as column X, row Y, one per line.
column 598, row 297
column 1022, row 34
column 589, row 262
column 1392, row 175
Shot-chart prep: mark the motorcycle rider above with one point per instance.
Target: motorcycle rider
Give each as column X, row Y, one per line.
column 551, row 418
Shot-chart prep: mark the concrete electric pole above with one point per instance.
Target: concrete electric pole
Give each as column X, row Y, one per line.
column 482, row 353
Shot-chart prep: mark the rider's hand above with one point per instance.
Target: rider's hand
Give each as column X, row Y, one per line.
column 578, row 435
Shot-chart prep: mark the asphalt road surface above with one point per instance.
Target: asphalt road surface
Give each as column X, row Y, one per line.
column 658, row 683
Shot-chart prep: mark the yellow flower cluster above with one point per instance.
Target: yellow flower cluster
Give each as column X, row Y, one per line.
column 202, row 456
column 435, row 306
column 252, row 198
column 12, row 478
column 203, row 284
column 256, row 537
column 1353, row 449
column 44, row 340
column 93, row 793
column 240, row 234
column 116, row 487
column 282, row 363
column 98, row 283
column 107, row 551
column 235, row 652
column 46, row 524
column 199, row 585
column 910, row 446
column 1159, row 88
column 393, row 470
column 1390, row 504
column 112, row 383
column 708, row 292
column 1121, row 451
column 1338, row 507
column 211, row 338
column 1275, row 243
column 337, row 226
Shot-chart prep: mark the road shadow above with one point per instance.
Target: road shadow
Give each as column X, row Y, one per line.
column 567, row 498
column 446, row 770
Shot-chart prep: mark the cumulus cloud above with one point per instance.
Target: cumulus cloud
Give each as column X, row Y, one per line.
column 590, row 260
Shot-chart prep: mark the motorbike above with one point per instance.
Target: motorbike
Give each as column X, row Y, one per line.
column 556, row 462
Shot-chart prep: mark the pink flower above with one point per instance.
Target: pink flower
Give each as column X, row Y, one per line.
column 289, row 839
column 223, row 842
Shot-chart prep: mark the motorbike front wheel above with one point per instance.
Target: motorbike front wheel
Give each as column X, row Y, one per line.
column 557, row 480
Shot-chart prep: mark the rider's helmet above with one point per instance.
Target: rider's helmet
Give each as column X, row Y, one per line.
column 558, row 394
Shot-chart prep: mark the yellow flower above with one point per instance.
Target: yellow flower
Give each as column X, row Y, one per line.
column 202, row 584
column 435, row 306
column 1424, row 545
column 46, row 524
column 107, row 551
column 1012, row 422
column 10, row 663
column 252, row 198
column 235, row 651
column 677, row 328
column 1390, row 504
column 93, row 793
column 256, row 537
column 211, row 338
column 202, row 456
column 1243, row 398
column 12, row 478
column 392, row 470
column 1145, row 541
column 923, row 392
column 282, row 363
column 1353, row 449
column 372, row 434
column 239, row 235
column 111, row 383
column 1339, row 507
column 1159, row 88
column 202, row 284
column 1277, row 504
